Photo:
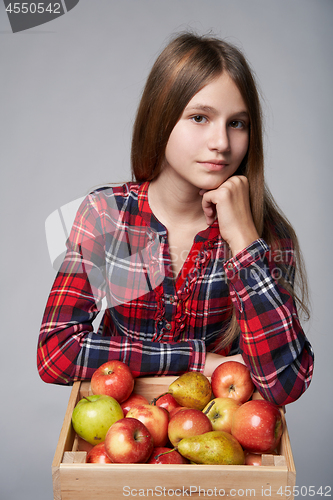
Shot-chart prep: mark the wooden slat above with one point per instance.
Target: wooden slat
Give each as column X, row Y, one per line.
column 86, row 482
column 288, row 454
column 66, row 433
column 74, row 457
column 65, row 439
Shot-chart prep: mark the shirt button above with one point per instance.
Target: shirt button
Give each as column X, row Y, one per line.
column 168, row 326
column 230, row 266
column 172, row 299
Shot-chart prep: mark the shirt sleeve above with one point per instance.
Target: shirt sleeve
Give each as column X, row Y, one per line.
column 272, row 341
column 68, row 348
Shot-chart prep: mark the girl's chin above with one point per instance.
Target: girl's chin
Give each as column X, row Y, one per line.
column 210, row 186
column 209, row 183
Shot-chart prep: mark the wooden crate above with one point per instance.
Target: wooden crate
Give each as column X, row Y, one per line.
column 73, row 479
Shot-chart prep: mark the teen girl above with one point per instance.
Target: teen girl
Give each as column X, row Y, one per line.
column 194, row 259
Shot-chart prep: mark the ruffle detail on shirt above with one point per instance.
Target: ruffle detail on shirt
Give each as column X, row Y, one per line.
column 160, row 311
column 183, row 291
column 186, row 290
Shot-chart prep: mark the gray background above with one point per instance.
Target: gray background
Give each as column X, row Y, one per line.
column 69, row 91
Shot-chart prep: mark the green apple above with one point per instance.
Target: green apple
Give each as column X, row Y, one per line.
column 93, row 416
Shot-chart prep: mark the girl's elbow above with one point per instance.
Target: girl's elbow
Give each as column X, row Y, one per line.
column 52, row 372
column 53, row 376
column 278, row 395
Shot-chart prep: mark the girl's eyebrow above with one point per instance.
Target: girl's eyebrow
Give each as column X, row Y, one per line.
column 242, row 114
column 208, row 109
column 201, row 107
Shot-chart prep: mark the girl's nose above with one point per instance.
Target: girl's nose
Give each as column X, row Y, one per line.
column 219, row 139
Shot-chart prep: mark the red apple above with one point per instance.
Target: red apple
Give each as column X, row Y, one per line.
column 114, row 379
column 128, row 442
column 176, row 410
column 187, row 423
column 232, row 379
column 252, row 458
column 98, row 455
column 156, row 420
column 258, row 426
column 134, row 399
column 220, row 412
column 168, row 402
column 171, row 457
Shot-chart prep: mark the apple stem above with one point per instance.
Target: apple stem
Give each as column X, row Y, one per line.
column 165, row 453
column 209, row 407
column 84, row 397
column 153, row 402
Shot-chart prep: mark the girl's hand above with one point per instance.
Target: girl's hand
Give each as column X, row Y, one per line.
column 230, row 203
column 213, row 360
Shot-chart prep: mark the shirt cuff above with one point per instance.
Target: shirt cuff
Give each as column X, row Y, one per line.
column 252, row 253
column 198, row 356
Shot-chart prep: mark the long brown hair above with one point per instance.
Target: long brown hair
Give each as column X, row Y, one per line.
column 185, row 66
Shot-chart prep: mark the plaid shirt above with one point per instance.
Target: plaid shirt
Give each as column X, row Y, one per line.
column 118, row 253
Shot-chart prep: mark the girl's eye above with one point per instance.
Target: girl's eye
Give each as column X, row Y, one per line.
column 199, row 119
column 237, row 124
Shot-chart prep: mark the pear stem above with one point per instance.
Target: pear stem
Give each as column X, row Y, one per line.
column 209, row 407
column 153, row 402
column 165, row 453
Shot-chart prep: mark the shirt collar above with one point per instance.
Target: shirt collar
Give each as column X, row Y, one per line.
column 146, row 212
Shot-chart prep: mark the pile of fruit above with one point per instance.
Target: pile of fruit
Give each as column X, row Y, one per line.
column 197, row 420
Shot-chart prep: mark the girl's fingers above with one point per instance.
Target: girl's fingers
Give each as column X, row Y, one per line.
column 230, row 204
column 209, row 209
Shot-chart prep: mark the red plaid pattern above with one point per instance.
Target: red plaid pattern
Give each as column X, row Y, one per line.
column 118, row 251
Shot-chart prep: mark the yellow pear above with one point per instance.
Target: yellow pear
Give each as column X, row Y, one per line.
column 212, row 448
column 192, row 389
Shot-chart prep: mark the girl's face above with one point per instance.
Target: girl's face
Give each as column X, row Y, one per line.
column 210, row 140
